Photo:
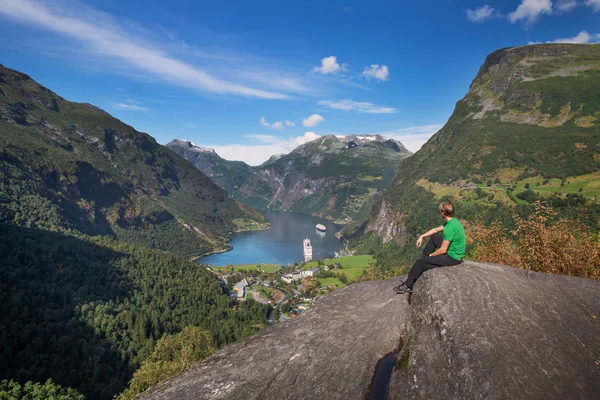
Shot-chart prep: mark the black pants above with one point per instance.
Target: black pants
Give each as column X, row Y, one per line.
column 424, row 263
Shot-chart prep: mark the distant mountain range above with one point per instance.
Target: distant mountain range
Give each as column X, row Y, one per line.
column 73, row 167
column 527, row 129
column 332, row 177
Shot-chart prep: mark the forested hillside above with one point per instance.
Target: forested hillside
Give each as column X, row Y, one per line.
column 88, row 209
column 527, row 130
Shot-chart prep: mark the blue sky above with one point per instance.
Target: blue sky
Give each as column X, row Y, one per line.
column 255, row 78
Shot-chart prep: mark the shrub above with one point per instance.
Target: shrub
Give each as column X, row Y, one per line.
column 541, row 242
column 171, row 356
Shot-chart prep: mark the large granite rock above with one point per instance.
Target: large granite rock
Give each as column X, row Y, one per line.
column 329, row 352
column 482, row 331
column 473, row 331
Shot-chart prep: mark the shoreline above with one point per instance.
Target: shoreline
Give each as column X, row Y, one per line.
column 229, row 247
column 196, row 258
column 254, row 230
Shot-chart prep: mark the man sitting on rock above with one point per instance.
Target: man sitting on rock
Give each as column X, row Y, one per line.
column 441, row 250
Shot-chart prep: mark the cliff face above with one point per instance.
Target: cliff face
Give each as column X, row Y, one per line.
column 529, row 119
column 474, row 331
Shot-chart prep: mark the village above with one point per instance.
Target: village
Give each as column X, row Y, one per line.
column 290, row 289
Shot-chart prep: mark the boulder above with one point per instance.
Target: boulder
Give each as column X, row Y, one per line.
column 484, row 331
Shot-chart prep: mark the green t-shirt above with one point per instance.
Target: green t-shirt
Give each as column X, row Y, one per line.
column 455, row 233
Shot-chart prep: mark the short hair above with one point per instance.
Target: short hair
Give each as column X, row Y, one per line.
column 447, row 208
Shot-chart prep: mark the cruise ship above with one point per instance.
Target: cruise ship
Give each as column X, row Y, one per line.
column 321, row 228
column 308, row 253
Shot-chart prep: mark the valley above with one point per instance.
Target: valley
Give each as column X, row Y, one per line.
column 126, row 263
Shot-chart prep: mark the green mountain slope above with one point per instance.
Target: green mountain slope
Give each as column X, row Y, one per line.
column 74, row 167
column 527, row 128
column 332, row 177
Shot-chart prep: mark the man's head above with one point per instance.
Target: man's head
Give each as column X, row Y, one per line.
column 447, row 209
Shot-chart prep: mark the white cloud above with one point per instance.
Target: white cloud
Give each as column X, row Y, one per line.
column 566, row 5
column 313, row 120
column 329, row 65
column 595, row 4
column 582, row 37
column 261, row 147
column 376, row 71
column 530, row 10
column 289, row 123
column 130, row 107
column 413, row 137
column 359, row 106
column 480, row 14
column 100, row 36
column 277, row 125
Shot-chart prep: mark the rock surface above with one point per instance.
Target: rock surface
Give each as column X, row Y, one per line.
column 473, row 331
column 483, row 331
column 328, row 352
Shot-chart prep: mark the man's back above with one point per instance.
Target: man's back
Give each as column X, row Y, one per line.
column 455, row 233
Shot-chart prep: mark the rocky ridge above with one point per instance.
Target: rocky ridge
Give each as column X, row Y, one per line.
column 473, row 331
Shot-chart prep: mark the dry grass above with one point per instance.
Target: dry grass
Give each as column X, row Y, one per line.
column 541, row 243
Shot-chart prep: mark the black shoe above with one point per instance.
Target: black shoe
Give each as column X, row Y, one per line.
column 402, row 289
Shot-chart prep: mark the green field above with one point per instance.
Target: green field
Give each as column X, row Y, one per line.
column 352, row 267
column 267, row 268
column 331, row 282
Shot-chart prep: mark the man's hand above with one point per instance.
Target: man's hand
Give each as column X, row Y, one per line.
column 419, row 241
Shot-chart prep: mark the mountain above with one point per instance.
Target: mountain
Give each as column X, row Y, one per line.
column 72, row 167
column 227, row 174
column 527, row 129
column 332, row 177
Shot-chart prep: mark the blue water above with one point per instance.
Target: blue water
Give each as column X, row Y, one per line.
column 281, row 244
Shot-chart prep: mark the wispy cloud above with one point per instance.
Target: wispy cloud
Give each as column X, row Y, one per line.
column 594, row 4
column 481, row 14
column 358, row 106
column 313, row 120
column 130, row 107
column 277, row 125
column 289, row 123
column 376, row 71
column 261, row 147
column 99, row 35
column 566, row 5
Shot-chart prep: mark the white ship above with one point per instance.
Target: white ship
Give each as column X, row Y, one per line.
column 321, row 228
column 308, row 254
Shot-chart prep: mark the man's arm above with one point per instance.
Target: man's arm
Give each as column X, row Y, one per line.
column 428, row 233
column 441, row 250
